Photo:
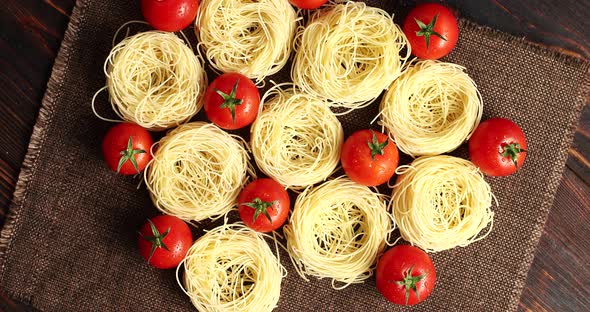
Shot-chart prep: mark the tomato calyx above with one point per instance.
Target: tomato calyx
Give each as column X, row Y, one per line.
column 409, row 282
column 260, row 207
column 428, row 30
column 129, row 155
column 376, row 147
column 229, row 100
column 511, row 151
column 157, row 239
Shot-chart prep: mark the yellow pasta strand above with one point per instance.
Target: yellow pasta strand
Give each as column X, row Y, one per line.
column 348, row 54
column 337, row 230
column 440, row 202
column 197, row 172
column 154, row 80
column 232, row 268
column 253, row 38
column 296, row 140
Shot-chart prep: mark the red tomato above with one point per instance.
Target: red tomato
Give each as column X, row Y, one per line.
column 369, row 157
column 405, row 275
column 264, row 205
column 308, row 4
column 126, row 148
column 169, row 15
column 498, row 147
column 232, row 101
column 432, row 30
column 164, row 241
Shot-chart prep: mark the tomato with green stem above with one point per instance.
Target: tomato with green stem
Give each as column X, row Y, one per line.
column 432, row 30
column 498, row 147
column 231, row 101
column 169, row 15
column 263, row 205
column 164, row 241
column 369, row 157
column 126, row 148
column 405, row 275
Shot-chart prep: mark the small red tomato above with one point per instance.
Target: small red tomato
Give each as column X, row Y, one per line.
column 369, row 157
column 232, row 101
column 432, row 30
column 264, row 205
column 308, row 4
column 169, row 15
column 405, row 275
column 126, row 148
column 164, row 241
column 498, row 147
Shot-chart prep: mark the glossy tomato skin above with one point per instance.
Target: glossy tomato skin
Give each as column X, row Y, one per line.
column 308, row 4
column 358, row 163
column 488, row 142
column 169, row 15
column 245, row 113
column 394, row 265
column 116, row 141
column 178, row 241
column 446, row 25
column 268, row 190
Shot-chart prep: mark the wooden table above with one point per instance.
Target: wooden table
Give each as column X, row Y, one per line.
column 32, row 30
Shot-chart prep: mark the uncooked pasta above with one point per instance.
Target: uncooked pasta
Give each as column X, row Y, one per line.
column 154, row 80
column 440, row 202
column 431, row 109
column 197, row 172
column 296, row 140
column 232, row 268
column 254, row 38
column 337, row 230
column 348, row 54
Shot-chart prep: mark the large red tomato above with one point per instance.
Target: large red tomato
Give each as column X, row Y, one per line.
column 369, row 157
column 126, row 148
column 264, row 205
column 405, row 275
column 432, row 30
column 164, row 241
column 169, row 15
column 308, row 4
column 232, row 101
column 498, row 147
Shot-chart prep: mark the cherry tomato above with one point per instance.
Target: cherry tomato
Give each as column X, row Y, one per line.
column 432, row 30
column 405, row 275
column 164, row 241
column 369, row 157
column 169, row 15
column 308, row 4
column 232, row 101
column 264, row 205
column 498, row 147
column 126, row 148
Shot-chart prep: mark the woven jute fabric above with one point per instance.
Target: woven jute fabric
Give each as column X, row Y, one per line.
column 69, row 243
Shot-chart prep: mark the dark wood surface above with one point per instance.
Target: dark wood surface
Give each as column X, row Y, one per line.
column 559, row 279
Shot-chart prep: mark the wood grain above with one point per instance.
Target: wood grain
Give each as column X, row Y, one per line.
column 558, row 281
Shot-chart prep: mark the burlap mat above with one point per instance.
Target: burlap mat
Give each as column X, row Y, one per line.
column 69, row 243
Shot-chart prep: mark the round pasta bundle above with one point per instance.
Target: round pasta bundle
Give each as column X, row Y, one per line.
column 154, row 80
column 296, row 140
column 197, row 172
column 432, row 108
column 440, row 202
column 232, row 268
column 253, row 38
column 348, row 54
column 337, row 230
